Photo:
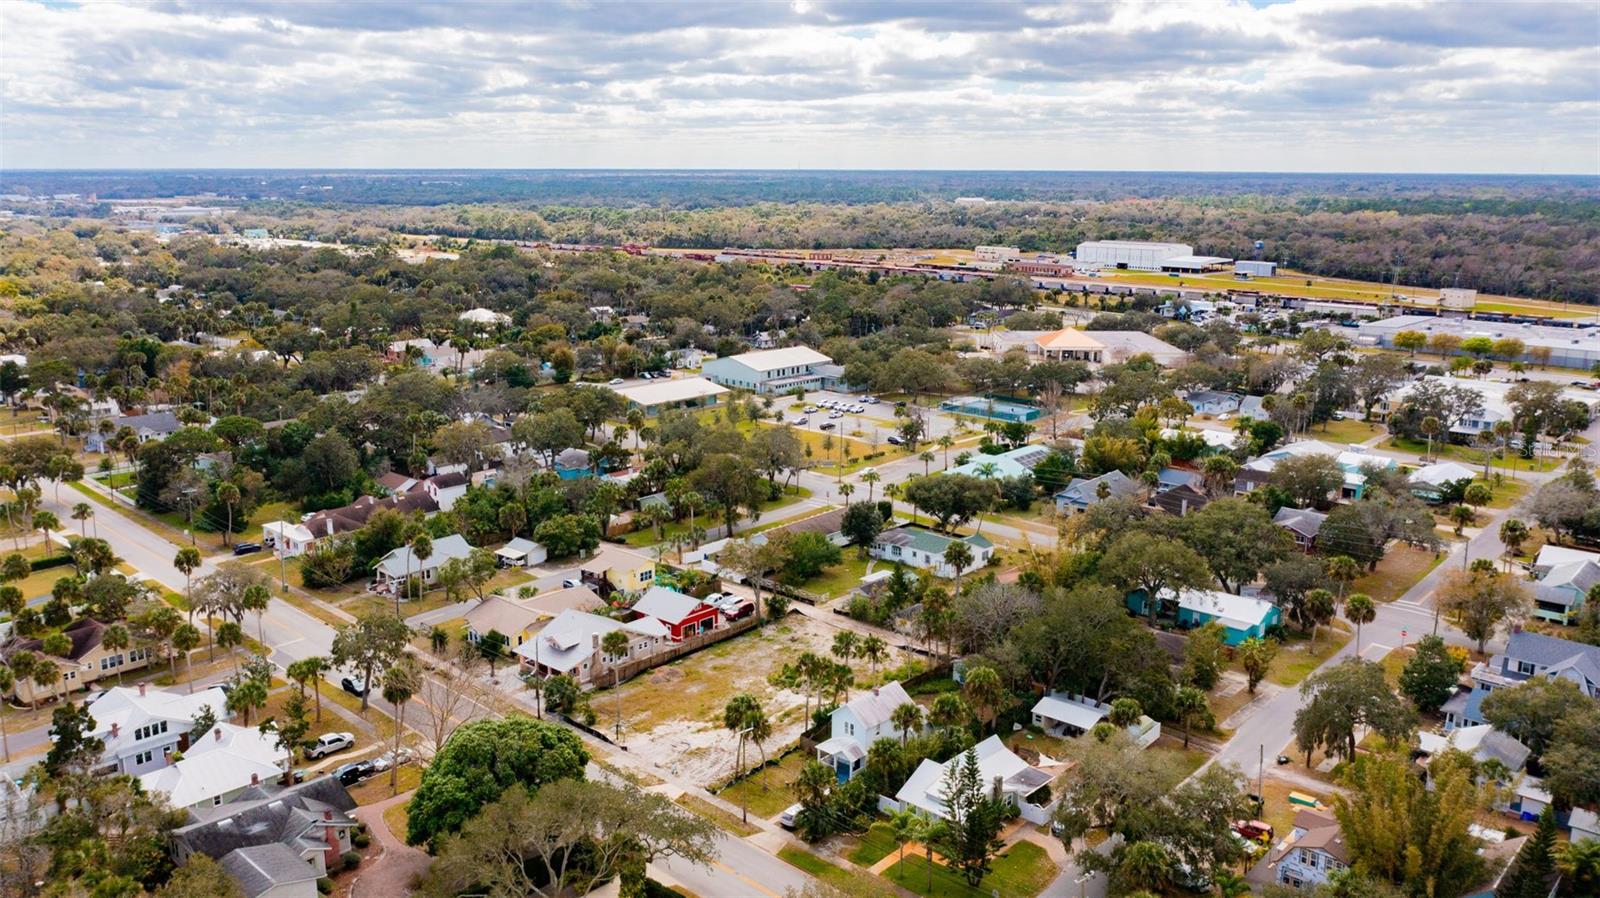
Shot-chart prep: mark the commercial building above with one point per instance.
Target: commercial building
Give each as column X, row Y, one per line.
column 1569, row 347
column 1137, row 254
column 997, row 253
column 1255, row 269
column 652, row 397
column 774, row 370
column 1195, row 264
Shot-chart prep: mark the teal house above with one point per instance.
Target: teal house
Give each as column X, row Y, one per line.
column 1241, row 617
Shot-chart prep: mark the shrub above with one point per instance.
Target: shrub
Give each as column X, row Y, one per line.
column 324, row 885
column 350, row 860
column 360, row 840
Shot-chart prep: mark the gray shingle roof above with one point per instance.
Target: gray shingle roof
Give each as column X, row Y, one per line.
column 264, row 814
column 260, row 868
column 1554, row 653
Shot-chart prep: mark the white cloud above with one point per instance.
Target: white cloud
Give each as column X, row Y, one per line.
column 1311, row 84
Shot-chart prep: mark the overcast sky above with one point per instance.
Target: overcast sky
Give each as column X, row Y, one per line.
column 1309, row 85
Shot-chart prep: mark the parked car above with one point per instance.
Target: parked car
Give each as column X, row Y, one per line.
column 570, row 582
column 787, row 818
column 246, row 548
column 800, row 420
column 826, row 425
column 870, row 400
column 389, row 759
column 836, row 414
column 647, row 375
column 811, row 410
column 328, row 743
column 615, row 381
column 354, row 685
column 896, row 441
column 350, row 774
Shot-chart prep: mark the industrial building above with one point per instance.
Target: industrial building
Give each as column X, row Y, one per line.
column 997, row 253
column 1137, row 254
column 1255, row 269
column 1570, row 347
column 682, row 392
column 1195, row 264
column 776, row 370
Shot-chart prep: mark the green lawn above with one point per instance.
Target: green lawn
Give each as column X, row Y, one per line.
column 1472, row 456
column 767, row 792
column 830, row 873
column 1350, row 430
column 1296, row 659
column 717, row 816
column 840, row 578
column 1022, row 872
column 1400, row 569
column 875, row 845
column 708, row 519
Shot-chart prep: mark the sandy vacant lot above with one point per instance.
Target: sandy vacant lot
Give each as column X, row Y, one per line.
column 673, row 715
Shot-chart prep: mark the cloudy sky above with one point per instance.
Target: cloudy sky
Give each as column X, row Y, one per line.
column 1322, row 85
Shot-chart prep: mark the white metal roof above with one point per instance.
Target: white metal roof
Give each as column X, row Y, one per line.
column 788, row 357
column 1073, row 713
column 679, row 389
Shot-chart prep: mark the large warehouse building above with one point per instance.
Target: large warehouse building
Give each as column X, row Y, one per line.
column 1570, row 347
column 1138, row 254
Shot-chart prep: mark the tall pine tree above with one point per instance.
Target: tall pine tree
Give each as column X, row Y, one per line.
column 1535, row 865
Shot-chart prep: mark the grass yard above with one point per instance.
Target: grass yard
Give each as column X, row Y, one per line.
column 709, row 812
column 1022, row 871
column 1050, row 746
column 376, row 789
column 1276, row 808
column 1400, row 569
column 1189, row 759
column 766, row 793
column 396, row 818
column 709, row 519
column 840, row 578
column 1296, row 659
column 874, row 845
column 1350, row 430
column 830, row 873
column 1472, row 456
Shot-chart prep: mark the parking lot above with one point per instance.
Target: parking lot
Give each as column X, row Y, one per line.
column 875, row 423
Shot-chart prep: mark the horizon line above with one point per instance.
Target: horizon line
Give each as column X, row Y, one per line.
column 798, row 171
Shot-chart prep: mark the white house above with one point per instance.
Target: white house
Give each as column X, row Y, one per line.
column 919, row 548
column 446, row 488
column 401, row 563
column 143, row 727
column 1585, row 824
column 925, row 791
column 219, row 766
column 770, row 370
column 484, row 316
column 1430, row 482
column 570, row 645
column 1314, row 850
column 857, row 724
column 1065, row 714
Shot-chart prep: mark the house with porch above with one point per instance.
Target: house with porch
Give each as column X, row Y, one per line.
column 219, row 766
column 143, row 727
column 1527, row 655
column 1066, row 715
column 1314, row 851
column 1180, row 500
column 1563, row 579
column 1241, row 618
column 924, row 549
column 86, row 663
column 1302, row 524
column 1081, row 494
column 1351, row 462
column 312, row 820
column 1213, row 402
column 612, row 568
column 1434, row 483
column 571, row 645
column 1019, row 783
column 681, row 614
column 402, row 564
column 858, row 723
column 520, row 552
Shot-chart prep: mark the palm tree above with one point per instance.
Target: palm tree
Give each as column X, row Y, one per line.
column 845, row 490
column 81, row 513
column 906, row 826
column 1343, row 570
column 186, row 639
column 907, row 718
column 1461, row 516
column 8, row 681
column 874, row 651
column 1430, row 428
column 1359, row 610
column 228, row 494
column 871, row 479
column 188, row 560
column 945, row 442
column 615, row 646
column 1190, row 704
column 927, row 459
column 310, row 670
column 744, row 716
column 46, row 522
column 985, row 693
column 230, row 635
column 845, row 645
column 116, row 639
column 400, row 683
column 1513, row 533
column 421, row 549
column 958, row 554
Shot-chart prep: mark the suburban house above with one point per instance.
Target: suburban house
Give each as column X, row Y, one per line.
column 1080, row 494
column 147, row 427
column 446, row 488
column 999, row 767
column 1066, row 715
column 1482, row 742
column 518, row 620
column 1350, row 461
column 653, row 397
column 521, row 552
column 573, row 464
column 1213, row 402
column 85, row 664
column 1562, row 581
column 919, row 548
column 772, row 370
column 613, row 568
column 1302, row 523
column 270, row 871
column 828, row 523
column 312, row 820
column 1016, row 462
column 857, row 724
column 1432, row 483
column 1527, row 655
column 570, row 645
column 401, row 564
column 1496, row 402
column 291, row 539
column 1180, row 500
column 142, row 727
column 1585, row 824
column 218, row 766
column 681, row 614
column 1241, row 618
column 1314, row 850
column 1172, row 478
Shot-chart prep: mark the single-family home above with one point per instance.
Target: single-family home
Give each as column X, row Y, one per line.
column 402, row 564
column 1172, row 478
column 827, row 523
column 1018, row 782
column 1065, row 714
column 1018, row 462
column 1563, row 579
column 142, row 727
column 858, row 723
column 87, row 662
column 1214, row 402
column 271, row 871
column 613, row 568
column 147, row 427
column 445, row 489
column 1181, row 500
column 1437, row 482
column 521, row 552
column 291, row 538
column 218, row 766
column 487, row 317
column 686, row 358
column 1527, row 655
column 1482, row 742
column 1585, row 824
column 682, row 615
column 519, row 619
column 1352, row 461
column 571, row 645
column 573, row 464
column 311, row 819
column 769, row 370
column 1241, row 617
column 1314, row 850
column 919, row 548
column 1080, row 494
column 1303, row 524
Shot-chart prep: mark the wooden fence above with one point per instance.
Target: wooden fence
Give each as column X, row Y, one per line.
column 673, row 652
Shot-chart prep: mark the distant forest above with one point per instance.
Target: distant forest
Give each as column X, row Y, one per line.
column 1536, row 236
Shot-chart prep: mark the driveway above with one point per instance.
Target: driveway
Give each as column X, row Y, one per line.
column 391, row 874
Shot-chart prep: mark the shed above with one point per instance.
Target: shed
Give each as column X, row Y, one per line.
column 520, row 552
